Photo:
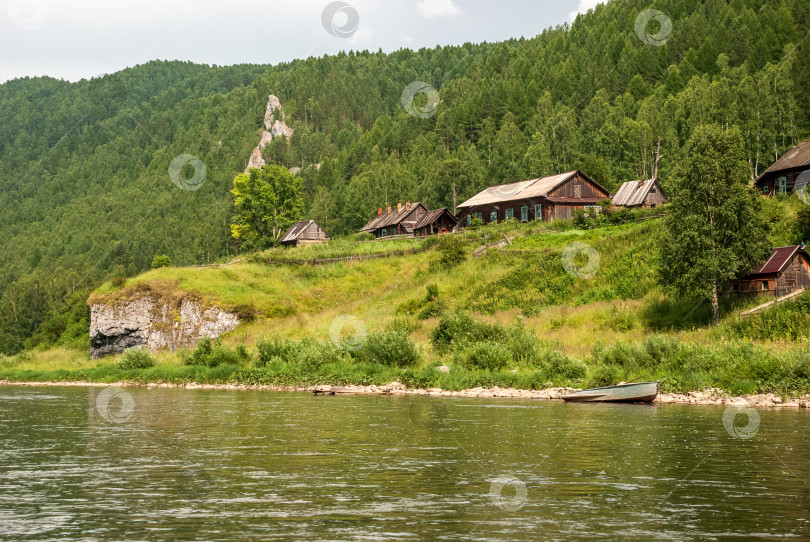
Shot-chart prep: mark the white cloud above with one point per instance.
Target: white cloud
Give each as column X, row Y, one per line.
column 362, row 36
column 584, row 6
column 431, row 9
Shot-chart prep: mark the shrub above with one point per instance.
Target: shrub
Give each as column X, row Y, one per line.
column 462, row 328
column 561, row 366
column 432, row 310
column 276, row 349
column 136, row 358
column 452, row 252
column 487, row 355
column 213, row 354
column 604, row 375
column 312, row 354
column 161, row 261
column 392, row 348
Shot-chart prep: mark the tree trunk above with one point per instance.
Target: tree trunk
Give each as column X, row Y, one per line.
column 715, row 305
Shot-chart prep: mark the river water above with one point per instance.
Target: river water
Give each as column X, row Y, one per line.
column 157, row 464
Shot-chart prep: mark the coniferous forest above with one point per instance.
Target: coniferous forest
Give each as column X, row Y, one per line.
column 87, row 196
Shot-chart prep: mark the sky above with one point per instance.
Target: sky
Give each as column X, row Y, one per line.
column 85, row 38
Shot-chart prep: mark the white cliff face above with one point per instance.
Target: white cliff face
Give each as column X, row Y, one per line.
column 273, row 128
column 146, row 322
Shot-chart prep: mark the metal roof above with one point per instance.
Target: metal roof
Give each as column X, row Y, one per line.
column 634, row 193
column 798, row 156
column 533, row 188
column 780, row 258
column 296, row 230
column 396, row 216
column 432, row 216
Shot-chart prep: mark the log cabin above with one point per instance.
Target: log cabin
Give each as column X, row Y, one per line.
column 782, row 176
column 303, row 233
column 640, row 194
column 400, row 221
column 547, row 198
column 787, row 270
column 436, row 222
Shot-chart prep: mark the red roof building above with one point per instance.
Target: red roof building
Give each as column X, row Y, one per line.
column 787, row 270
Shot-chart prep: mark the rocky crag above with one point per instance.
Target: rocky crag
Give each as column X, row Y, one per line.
column 149, row 322
column 273, row 128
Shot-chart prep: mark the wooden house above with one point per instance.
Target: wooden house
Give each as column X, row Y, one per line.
column 781, row 177
column 548, row 198
column 787, row 270
column 640, row 194
column 302, row 233
column 435, row 222
column 400, row 221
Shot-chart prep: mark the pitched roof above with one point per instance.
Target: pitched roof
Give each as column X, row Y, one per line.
column 798, row 156
column 633, row 193
column 396, row 216
column 296, row 230
column 433, row 216
column 780, row 258
column 533, row 188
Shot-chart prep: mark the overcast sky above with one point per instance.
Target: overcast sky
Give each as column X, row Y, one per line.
column 74, row 39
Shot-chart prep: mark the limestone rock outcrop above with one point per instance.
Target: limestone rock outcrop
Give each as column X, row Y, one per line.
column 152, row 323
column 273, row 128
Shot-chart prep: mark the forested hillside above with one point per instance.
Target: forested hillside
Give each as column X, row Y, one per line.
column 84, row 166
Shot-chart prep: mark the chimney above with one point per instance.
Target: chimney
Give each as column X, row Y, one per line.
column 379, row 211
column 407, row 205
column 399, row 207
column 389, row 210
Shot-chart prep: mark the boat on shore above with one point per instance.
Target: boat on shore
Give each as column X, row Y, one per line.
column 641, row 392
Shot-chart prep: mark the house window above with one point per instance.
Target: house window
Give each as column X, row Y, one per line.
column 764, row 285
column 384, row 232
column 493, row 216
column 591, row 210
column 524, row 213
column 577, row 190
column 765, row 190
column 509, row 214
column 469, row 219
column 538, row 211
column 479, row 216
column 782, row 184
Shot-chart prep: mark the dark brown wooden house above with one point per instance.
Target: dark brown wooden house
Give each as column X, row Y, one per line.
column 787, row 270
column 781, row 177
column 548, row 198
column 640, row 194
column 399, row 221
column 302, row 233
column 435, row 222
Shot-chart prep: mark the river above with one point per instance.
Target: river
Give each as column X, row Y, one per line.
column 170, row 464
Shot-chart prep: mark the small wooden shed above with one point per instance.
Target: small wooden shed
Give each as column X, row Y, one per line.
column 787, row 270
column 640, row 194
column 435, row 222
column 302, row 233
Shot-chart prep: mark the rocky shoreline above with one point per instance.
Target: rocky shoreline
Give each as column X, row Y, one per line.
column 710, row 396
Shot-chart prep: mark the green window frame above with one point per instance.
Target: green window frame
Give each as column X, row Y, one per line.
column 509, row 214
column 782, row 184
column 524, row 213
column 538, row 211
column 493, row 216
column 469, row 219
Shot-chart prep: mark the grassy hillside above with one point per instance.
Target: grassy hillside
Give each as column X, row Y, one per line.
column 514, row 316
